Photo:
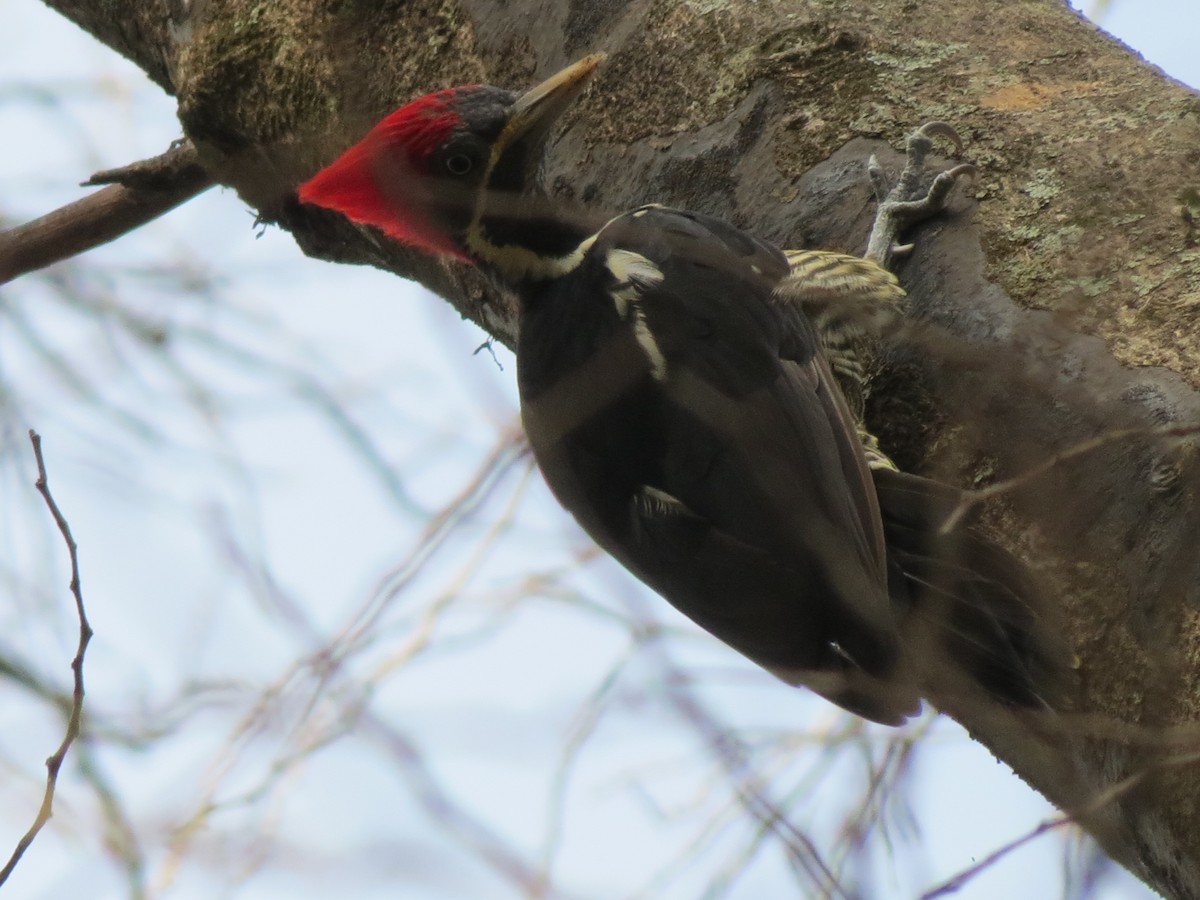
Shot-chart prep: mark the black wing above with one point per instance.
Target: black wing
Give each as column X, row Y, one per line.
column 730, row 478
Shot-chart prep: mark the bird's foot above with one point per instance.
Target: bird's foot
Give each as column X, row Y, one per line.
column 909, row 201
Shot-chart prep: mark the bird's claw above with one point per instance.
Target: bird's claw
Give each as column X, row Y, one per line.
column 930, row 130
column 909, row 201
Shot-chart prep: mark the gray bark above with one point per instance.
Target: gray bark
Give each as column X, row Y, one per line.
column 1063, row 289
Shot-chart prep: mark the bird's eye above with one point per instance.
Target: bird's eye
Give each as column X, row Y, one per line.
column 459, row 164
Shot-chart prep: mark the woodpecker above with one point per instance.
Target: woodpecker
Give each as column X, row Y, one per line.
column 678, row 397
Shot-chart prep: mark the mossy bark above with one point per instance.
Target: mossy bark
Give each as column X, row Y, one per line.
column 1070, row 270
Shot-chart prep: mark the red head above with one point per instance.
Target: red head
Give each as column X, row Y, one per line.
column 422, row 174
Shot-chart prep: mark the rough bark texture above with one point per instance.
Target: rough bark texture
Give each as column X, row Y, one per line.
column 1071, row 271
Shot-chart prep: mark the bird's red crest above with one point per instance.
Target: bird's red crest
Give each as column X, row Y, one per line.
column 378, row 180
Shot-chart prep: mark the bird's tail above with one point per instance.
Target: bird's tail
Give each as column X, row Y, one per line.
column 968, row 599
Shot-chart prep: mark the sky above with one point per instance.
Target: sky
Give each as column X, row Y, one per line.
column 1165, row 32
column 267, row 485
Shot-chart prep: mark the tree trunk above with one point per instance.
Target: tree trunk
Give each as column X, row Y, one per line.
column 1060, row 295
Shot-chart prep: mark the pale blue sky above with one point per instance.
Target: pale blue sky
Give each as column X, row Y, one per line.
column 1167, row 32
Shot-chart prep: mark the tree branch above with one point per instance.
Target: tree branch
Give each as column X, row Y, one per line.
column 54, row 763
column 136, row 29
column 136, row 194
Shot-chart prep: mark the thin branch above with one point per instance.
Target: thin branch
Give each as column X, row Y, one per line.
column 54, row 763
column 136, row 194
column 971, row 499
column 1109, row 795
column 958, row 881
column 802, row 853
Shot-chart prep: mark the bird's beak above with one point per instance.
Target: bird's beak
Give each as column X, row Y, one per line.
column 535, row 112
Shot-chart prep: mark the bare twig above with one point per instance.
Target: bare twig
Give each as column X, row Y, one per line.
column 953, row 885
column 54, row 763
column 730, row 752
column 1109, row 795
column 971, row 499
column 135, row 195
column 325, row 674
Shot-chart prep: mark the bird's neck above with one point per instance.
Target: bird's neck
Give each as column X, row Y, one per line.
column 524, row 239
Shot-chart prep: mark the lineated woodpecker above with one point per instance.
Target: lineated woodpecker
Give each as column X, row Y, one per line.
column 680, row 404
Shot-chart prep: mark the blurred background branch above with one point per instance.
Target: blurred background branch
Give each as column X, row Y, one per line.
column 74, row 711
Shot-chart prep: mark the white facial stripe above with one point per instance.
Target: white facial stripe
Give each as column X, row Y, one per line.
column 518, row 263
